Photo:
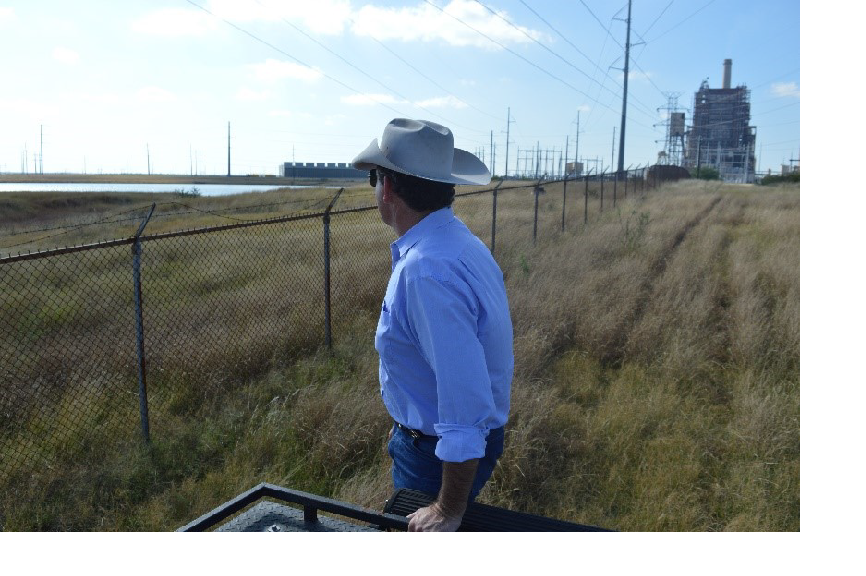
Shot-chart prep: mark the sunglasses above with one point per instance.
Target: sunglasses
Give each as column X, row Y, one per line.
column 376, row 174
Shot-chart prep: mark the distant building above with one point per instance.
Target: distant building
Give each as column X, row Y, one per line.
column 320, row 170
column 720, row 136
column 574, row 168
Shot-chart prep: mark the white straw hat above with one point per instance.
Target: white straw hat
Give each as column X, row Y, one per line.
column 424, row 149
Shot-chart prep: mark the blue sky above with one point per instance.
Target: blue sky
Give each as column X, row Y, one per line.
column 317, row 80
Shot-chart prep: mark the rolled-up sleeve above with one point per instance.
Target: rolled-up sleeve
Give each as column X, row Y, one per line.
column 443, row 317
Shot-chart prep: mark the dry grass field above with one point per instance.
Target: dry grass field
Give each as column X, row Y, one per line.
column 656, row 351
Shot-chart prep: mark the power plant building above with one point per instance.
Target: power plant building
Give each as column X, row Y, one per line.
column 320, row 170
column 720, row 135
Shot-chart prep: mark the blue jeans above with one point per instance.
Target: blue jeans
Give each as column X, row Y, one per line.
column 416, row 466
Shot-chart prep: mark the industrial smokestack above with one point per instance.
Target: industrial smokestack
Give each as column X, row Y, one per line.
column 726, row 77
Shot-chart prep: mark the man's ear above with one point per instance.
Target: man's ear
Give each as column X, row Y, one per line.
column 387, row 190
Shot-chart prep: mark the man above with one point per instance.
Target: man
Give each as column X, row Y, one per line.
column 444, row 336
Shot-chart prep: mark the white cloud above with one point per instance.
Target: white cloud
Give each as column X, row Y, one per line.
column 65, row 55
column 786, row 89
column 639, row 75
column 273, row 70
column 21, row 107
column 426, row 23
column 155, row 94
column 320, row 16
column 334, row 120
column 92, row 97
column 6, row 14
column 370, row 99
column 247, row 95
column 441, row 102
column 175, row 22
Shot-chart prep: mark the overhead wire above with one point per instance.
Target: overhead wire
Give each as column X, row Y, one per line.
column 371, row 75
column 299, row 61
column 534, row 65
column 420, row 73
column 632, row 60
column 547, row 48
column 681, row 22
column 579, row 51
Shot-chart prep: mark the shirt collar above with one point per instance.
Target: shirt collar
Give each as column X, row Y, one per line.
column 431, row 222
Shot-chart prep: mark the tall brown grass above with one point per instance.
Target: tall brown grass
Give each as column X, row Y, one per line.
column 656, row 383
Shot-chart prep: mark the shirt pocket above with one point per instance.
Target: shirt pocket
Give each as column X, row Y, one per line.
column 383, row 328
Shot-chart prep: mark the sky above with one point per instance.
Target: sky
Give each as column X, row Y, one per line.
column 108, row 87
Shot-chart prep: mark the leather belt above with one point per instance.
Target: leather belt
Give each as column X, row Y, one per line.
column 416, row 434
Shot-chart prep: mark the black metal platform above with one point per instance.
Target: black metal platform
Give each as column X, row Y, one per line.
column 486, row 518
column 268, row 516
column 254, row 511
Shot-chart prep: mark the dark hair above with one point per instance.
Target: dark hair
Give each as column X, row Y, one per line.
column 419, row 194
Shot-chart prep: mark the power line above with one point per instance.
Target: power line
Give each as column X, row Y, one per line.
column 665, row 9
column 681, row 22
column 299, row 61
column 555, row 77
column 595, row 64
column 369, row 75
column 404, row 61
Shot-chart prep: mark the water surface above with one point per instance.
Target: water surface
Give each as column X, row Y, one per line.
column 203, row 189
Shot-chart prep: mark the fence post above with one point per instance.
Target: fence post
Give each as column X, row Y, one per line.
column 601, row 193
column 326, row 221
column 493, row 222
column 586, row 199
column 537, row 190
column 139, row 328
column 564, row 184
column 642, row 183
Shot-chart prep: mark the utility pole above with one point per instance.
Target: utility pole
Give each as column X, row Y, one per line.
column 492, row 156
column 576, row 142
column 565, row 167
column 230, row 149
column 507, row 138
column 612, row 146
column 537, row 157
column 40, row 150
column 148, row 158
column 621, row 163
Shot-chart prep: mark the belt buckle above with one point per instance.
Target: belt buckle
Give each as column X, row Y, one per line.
column 414, row 433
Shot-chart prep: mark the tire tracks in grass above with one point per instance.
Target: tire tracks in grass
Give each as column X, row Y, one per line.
column 615, row 353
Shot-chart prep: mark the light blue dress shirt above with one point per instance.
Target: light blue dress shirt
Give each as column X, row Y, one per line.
column 444, row 338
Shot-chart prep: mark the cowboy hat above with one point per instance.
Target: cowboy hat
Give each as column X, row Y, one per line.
column 424, row 149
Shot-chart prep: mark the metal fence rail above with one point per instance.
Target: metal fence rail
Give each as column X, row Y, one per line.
column 107, row 340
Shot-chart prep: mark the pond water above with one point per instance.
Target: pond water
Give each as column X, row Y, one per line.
column 203, row 189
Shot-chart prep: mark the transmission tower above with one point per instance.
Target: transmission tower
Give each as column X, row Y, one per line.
column 675, row 131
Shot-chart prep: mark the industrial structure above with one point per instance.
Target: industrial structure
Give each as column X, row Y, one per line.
column 320, row 170
column 720, row 136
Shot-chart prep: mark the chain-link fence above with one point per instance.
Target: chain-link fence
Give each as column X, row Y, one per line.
column 108, row 340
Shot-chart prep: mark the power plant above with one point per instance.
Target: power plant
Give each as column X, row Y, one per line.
column 720, row 136
column 319, row 170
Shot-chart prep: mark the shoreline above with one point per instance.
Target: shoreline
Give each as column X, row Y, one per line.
column 161, row 179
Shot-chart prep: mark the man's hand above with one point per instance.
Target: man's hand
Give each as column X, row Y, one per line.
column 433, row 519
column 388, row 440
column 446, row 513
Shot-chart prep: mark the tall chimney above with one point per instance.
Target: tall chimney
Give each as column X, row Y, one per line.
column 726, row 77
